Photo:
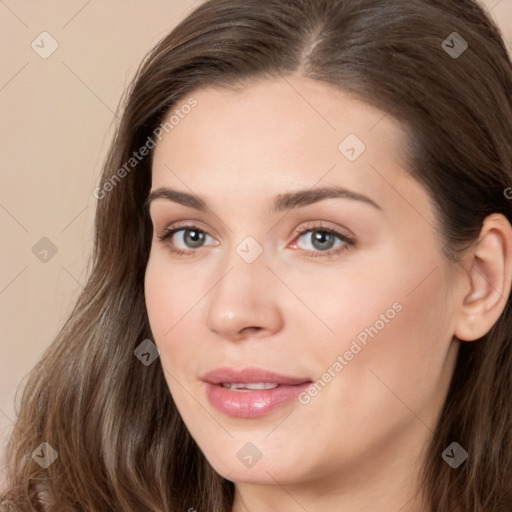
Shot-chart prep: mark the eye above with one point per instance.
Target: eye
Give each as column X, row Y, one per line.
column 320, row 241
column 190, row 237
column 316, row 240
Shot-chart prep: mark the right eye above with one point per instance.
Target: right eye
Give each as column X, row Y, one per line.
column 191, row 237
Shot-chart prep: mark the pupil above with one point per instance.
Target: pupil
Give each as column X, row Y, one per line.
column 196, row 237
column 323, row 238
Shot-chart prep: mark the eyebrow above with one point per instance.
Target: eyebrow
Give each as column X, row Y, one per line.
column 282, row 202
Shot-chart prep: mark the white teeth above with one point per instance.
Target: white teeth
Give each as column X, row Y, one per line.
column 236, row 386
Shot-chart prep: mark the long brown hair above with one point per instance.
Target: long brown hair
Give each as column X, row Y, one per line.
column 120, row 440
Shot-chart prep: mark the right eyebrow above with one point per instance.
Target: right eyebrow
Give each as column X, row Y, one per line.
column 183, row 198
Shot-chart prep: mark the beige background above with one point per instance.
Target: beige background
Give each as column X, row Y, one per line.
column 56, row 124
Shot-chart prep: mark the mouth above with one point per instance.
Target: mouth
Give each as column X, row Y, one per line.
column 247, row 387
column 251, row 392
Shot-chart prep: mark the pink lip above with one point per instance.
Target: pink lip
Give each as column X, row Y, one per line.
column 255, row 403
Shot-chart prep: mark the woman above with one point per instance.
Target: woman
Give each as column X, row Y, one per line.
column 300, row 295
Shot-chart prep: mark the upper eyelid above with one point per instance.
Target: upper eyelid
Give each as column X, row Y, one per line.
column 313, row 226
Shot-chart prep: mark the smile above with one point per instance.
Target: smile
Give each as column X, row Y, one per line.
column 251, row 392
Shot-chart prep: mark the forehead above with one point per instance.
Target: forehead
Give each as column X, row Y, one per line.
column 280, row 113
column 289, row 132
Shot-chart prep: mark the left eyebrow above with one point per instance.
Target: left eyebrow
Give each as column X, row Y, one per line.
column 282, row 202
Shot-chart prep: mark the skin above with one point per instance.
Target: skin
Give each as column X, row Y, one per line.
column 360, row 440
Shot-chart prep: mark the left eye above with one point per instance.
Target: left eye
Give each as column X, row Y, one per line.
column 322, row 239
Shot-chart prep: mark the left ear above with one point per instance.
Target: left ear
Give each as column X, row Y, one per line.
column 489, row 278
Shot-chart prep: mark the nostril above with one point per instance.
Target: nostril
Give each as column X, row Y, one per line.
column 250, row 329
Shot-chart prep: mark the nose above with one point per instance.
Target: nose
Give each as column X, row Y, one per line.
column 244, row 303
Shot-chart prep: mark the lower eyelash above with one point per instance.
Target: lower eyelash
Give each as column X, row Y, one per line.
column 180, row 252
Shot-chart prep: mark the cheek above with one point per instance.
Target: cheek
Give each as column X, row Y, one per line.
column 391, row 317
column 420, row 343
column 159, row 300
column 397, row 297
column 174, row 305
column 394, row 337
column 169, row 296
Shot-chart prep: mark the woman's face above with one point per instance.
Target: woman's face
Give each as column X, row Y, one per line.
column 354, row 315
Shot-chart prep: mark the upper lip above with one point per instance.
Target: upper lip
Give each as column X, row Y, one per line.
column 246, row 375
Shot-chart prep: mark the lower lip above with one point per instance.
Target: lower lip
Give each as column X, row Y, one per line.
column 251, row 404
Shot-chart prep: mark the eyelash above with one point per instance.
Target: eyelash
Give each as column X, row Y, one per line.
column 348, row 241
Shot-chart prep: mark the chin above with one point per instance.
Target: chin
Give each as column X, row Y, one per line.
column 264, row 471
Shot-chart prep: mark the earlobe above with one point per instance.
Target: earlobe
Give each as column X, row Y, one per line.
column 489, row 279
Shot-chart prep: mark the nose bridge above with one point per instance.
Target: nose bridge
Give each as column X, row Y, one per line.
column 244, row 268
column 244, row 295
column 244, row 276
